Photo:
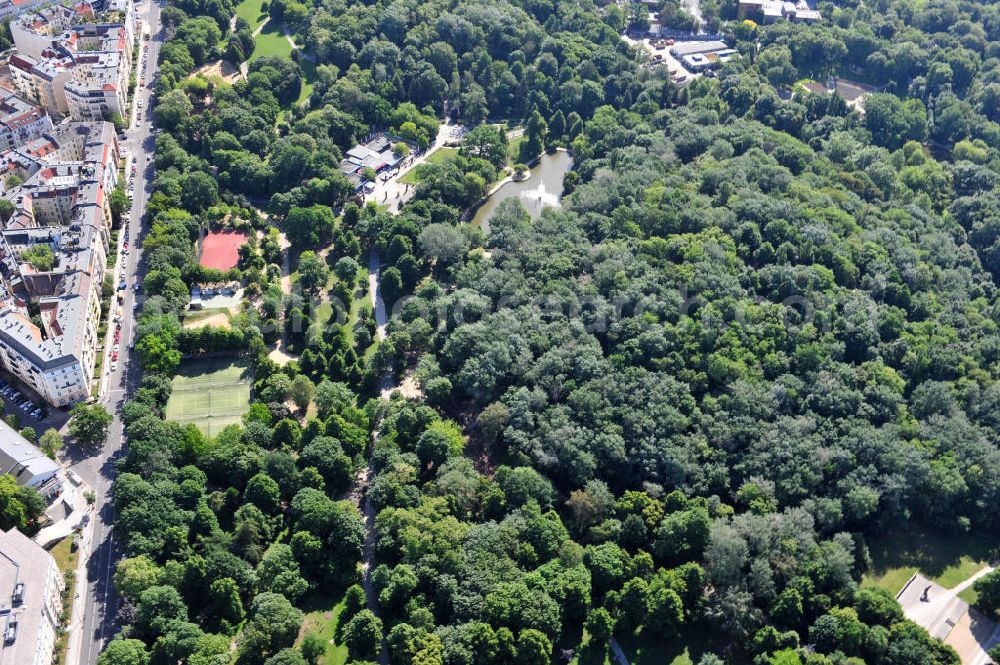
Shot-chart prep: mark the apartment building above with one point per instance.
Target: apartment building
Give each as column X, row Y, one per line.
column 20, row 121
column 31, row 587
column 71, row 64
column 12, row 8
column 50, row 310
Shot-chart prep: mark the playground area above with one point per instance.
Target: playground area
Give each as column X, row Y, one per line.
column 221, row 249
column 210, row 394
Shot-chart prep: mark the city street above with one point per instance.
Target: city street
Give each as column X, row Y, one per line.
column 97, row 468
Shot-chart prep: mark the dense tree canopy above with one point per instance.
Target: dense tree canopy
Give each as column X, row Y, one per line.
column 759, row 332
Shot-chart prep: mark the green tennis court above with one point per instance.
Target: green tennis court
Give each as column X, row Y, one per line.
column 210, row 393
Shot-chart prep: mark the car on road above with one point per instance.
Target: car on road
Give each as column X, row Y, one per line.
column 114, row 366
column 122, row 285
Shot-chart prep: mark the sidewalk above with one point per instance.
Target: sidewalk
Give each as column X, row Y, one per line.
column 73, row 498
column 75, row 628
column 118, row 275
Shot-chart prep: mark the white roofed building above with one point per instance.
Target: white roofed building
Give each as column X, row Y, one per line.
column 23, row 460
column 31, row 587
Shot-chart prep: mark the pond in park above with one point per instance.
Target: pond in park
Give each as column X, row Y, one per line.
column 543, row 187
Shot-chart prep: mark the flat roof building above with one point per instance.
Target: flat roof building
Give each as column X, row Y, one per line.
column 769, row 11
column 23, row 460
column 31, row 587
column 682, row 49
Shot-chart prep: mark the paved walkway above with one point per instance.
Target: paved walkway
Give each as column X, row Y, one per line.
column 369, row 512
column 392, row 193
column 617, row 651
column 73, row 499
column 946, row 616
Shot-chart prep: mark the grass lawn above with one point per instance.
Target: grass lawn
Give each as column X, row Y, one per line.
column 324, row 312
column 308, row 78
column 251, row 12
column 948, row 559
column 439, row 156
column 207, row 317
column 271, row 41
column 686, row 650
column 65, row 559
column 322, row 614
column 211, row 393
column 513, row 147
column 969, row 595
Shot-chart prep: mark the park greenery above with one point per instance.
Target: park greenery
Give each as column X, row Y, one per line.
column 760, row 332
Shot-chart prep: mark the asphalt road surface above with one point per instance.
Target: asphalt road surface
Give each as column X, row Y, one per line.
column 98, row 468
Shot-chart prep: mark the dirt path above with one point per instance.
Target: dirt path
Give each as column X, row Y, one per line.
column 278, row 353
column 286, row 264
column 219, row 320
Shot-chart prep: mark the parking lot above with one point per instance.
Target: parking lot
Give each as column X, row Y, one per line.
column 660, row 56
column 29, row 409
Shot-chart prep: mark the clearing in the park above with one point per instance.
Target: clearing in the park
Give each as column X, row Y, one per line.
column 210, row 393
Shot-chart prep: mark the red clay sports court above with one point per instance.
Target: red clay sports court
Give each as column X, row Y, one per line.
column 221, row 249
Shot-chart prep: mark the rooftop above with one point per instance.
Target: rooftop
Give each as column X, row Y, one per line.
column 72, row 165
column 21, row 459
column 22, row 561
